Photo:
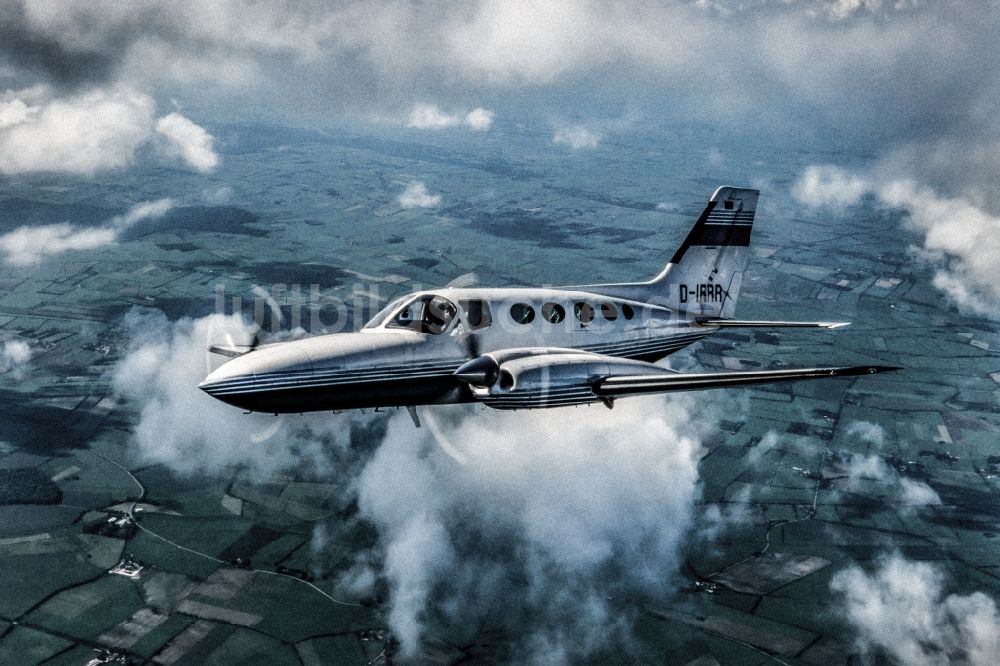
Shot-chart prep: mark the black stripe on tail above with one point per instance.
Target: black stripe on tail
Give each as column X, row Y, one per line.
column 718, row 227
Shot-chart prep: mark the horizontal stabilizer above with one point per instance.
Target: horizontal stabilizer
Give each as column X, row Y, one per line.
column 743, row 323
column 232, row 351
column 636, row 384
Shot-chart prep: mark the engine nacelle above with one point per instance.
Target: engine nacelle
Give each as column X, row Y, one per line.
column 540, row 377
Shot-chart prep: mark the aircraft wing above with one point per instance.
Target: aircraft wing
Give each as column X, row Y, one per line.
column 546, row 377
column 746, row 323
column 621, row 385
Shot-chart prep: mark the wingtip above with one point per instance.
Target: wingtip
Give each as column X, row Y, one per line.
column 837, row 324
column 865, row 370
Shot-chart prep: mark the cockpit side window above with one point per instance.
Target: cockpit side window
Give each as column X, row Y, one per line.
column 477, row 313
column 409, row 316
column 428, row 314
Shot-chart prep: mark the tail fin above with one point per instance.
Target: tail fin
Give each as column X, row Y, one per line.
column 704, row 276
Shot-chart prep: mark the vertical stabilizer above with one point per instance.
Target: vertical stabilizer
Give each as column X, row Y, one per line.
column 704, row 276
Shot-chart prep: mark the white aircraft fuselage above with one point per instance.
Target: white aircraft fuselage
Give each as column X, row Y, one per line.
column 523, row 347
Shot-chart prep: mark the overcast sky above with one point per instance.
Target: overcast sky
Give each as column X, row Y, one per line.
column 915, row 82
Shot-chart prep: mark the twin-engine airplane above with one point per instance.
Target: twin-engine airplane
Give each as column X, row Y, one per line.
column 520, row 348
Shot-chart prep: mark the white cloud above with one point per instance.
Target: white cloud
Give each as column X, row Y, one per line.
column 186, row 429
column 871, row 473
column 827, row 185
column 416, row 196
column 430, row 117
column 26, row 246
column 93, row 131
column 964, row 238
column 577, row 137
column 866, row 431
column 187, row 141
column 80, row 134
column 479, row 119
column 916, row 494
column 900, row 611
column 217, row 196
column 961, row 239
column 14, row 357
column 534, row 518
column 867, row 468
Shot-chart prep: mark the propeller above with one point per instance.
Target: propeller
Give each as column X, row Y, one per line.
column 481, row 371
column 478, row 370
column 233, row 349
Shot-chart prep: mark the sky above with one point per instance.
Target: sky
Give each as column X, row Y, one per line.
column 87, row 87
column 911, row 86
column 914, row 83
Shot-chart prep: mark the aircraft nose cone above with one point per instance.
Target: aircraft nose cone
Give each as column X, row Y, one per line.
column 227, row 378
column 482, row 371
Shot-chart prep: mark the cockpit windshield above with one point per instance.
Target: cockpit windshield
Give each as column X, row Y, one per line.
column 384, row 313
column 427, row 314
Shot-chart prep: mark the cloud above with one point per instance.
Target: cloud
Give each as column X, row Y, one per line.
column 532, row 522
column 14, row 358
column 416, row 196
column 577, row 137
column 916, row 494
column 61, row 61
column 909, row 78
column 81, row 134
column 479, row 119
column 900, row 611
column 88, row 132
column 826, row 185
column 26, row 246
column 866, row 431
column 430, row 117
column 862, row 471
column 187, row 430
column 187, row 141
column 960, row 239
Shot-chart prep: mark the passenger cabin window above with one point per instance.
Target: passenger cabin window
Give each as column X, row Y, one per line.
column 627, row 311
column 522, row 313
column 553, row 313
column 609, row 311
column 584, row 312
column 477, row 313
column 427, row 314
